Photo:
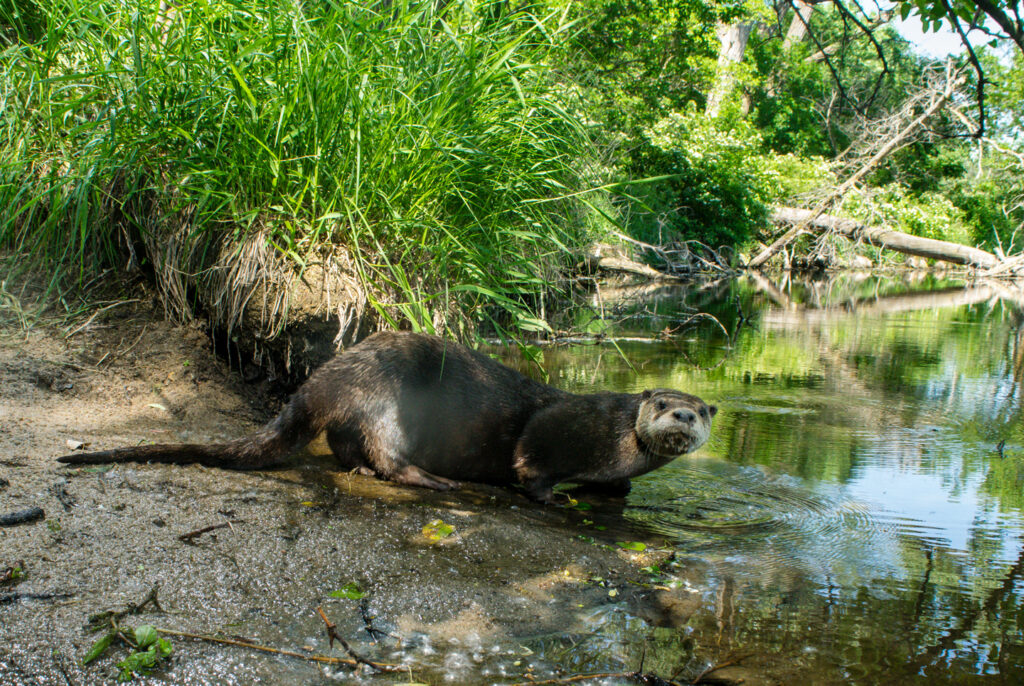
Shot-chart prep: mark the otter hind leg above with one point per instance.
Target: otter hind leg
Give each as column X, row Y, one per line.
column 347, row 446
column 385, row 454
column 412, row 475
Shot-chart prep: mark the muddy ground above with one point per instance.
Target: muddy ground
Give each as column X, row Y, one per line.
column 462, row 609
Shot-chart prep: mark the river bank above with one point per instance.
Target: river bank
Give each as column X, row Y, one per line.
column 460, row 608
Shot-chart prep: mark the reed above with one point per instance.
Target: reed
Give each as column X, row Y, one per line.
column 429, row 143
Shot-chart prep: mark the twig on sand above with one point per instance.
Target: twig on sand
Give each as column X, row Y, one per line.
column 324, row 659
column 332, row 635
column 206, row 529
column 13, row 596
column 101, row 619
column 375, row 633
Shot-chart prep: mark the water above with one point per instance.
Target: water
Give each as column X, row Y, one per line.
column 857, row 514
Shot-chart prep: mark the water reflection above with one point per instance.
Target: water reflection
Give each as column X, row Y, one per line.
column 860, row 500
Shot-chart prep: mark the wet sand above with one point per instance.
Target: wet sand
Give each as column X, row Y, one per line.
column 457, row 609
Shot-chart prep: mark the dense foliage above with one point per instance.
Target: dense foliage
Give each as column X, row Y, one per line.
column 825, row 101
column 429, row 144
column 462, row 153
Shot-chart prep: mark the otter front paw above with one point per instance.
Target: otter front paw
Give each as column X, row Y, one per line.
column 541, row 491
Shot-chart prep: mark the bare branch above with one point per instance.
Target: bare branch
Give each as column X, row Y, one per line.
column 974, row 63
column 1014, row 30
column 869, row 32
column 953, row 79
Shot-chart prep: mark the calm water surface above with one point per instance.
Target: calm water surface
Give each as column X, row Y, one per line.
column 857, row 515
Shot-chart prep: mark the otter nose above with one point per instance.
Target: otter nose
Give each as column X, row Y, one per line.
column 684, row 416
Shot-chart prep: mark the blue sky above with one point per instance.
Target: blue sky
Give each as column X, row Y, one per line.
column 939, row 44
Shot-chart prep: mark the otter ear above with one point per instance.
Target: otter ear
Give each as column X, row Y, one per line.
column 646, row 394
column 712, row 410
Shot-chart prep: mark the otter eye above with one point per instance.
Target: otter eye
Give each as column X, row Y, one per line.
column 661, row 405
column 704, row 412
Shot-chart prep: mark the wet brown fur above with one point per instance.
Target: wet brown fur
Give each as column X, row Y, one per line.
column 422, row 410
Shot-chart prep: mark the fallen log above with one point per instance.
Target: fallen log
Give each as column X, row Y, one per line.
column 938, row 100
column 613, row 258
column 887, row 238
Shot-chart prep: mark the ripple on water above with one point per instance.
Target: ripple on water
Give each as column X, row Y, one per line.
column 775, row 519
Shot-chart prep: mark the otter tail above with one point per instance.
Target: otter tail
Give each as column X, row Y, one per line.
column 286, row 434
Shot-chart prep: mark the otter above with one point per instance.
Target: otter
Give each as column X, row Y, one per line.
column 424, row 411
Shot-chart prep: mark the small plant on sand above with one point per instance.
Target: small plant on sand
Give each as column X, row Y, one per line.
column 148, row 650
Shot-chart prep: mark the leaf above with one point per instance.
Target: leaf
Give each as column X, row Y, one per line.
column 533, row 324
column 632, row 545
column 98, row 647
column 143, row 661
column 73, row 444
column 243, row 85
column 164, row 647
column 351, row 591
column 532, row 353
column 136, row 662
column 437, row 529
column 145, row 636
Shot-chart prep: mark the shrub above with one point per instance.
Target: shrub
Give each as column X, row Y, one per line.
column 425, row 139
column 928, row 214
column 719, row 181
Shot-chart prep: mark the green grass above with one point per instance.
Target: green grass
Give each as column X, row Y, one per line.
column 428, row 146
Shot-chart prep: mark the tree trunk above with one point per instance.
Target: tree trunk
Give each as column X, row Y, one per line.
column 887, row 238
column 734, row 44
column 798, row 27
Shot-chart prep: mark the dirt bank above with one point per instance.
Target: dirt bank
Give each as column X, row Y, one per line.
column 459, row 609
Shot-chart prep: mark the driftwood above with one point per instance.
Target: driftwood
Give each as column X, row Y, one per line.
column 887, row 238
column 606, row 257
column 22, row 516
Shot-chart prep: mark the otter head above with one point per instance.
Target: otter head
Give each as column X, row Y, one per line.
column 671, row 423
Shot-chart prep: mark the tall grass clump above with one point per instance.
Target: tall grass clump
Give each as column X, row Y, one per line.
column 423, row 141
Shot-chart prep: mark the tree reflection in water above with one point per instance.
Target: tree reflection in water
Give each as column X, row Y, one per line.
column 852, row 517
